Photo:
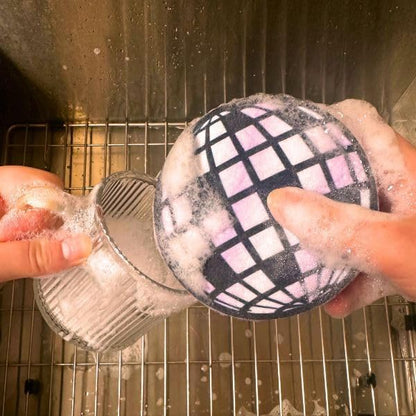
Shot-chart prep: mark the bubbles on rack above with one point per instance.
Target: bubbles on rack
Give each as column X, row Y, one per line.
column 287, row 410
column 248, row 333
column 225, row 359
column 160, row 374
column 360, row 336
column 131, row 358
column 318, row 409
column 279, row 338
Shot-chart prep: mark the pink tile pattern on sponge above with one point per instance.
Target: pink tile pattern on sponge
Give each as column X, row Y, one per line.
column 313, row 179
column 275, row 126
column 250, row 137
column 306, row 260
column 337, row 134
column 321, row 139
column 358, row 167
column 241, row 292
column 267, row 243
column 223, row 151
column 238, row 258
column 235, row 179
column 296, row 150
column 266, row 163
column 223, row 236
column 230, row 300
column 215, row 130
column 250, row 211
column 259, row 281
column 340, row 171
column 253, row 112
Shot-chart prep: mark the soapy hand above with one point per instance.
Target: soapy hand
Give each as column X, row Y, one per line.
column 381, row 245
column 24, row 252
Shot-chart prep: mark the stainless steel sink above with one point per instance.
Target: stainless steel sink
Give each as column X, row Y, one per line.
column 90, row 88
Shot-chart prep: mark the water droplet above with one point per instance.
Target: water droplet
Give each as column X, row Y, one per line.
column 225, row 359
column 160, row 373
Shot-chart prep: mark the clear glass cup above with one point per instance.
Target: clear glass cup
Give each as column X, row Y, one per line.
column 124, row 288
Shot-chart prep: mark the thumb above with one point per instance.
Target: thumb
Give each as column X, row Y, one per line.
column 349, row 235
column 32, row 258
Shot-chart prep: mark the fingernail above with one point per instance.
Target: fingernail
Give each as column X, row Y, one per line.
column 274, row 199
column 280, row 201
column 76, row 248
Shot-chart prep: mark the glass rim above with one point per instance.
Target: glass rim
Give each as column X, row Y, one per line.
column 98, row 213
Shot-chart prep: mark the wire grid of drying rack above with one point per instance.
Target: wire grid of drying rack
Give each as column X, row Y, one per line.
column 196, row 362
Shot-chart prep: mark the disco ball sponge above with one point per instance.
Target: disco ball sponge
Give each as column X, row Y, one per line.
column 255, row 269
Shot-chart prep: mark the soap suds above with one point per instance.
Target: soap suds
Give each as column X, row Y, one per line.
column 160, row 374
column 396, row 195
column 287, row 410
column 360, row 336
column 225, row 359
column 181, row 167
column 131, row 354
column 187, row 251
column 380, row 143
column 105, row 298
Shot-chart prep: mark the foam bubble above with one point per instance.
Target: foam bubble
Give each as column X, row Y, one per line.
column 187, row 251
column 382, row 147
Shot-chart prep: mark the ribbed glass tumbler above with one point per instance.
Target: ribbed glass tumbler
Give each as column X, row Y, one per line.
column 124, row 287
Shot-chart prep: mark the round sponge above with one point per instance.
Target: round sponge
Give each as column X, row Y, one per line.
column 212, row 223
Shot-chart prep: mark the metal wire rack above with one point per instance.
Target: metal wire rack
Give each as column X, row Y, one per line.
column 197, row 362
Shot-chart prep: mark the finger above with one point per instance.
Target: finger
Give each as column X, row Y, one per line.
column 32, row 258
column 19, row 224
column 20, row 176
column 348, row 235
column 364, row 290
